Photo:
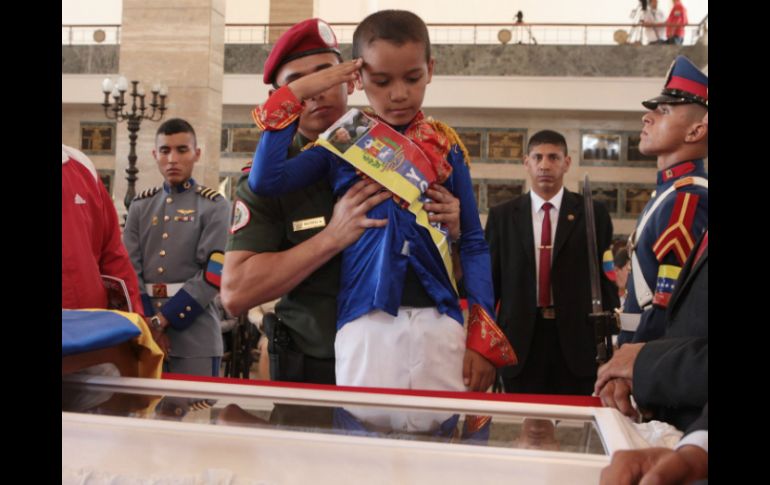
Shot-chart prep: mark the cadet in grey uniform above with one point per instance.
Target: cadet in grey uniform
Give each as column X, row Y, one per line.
column 175, row 235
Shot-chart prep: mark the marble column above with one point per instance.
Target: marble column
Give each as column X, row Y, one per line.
column 288, row 11
column 179, row 43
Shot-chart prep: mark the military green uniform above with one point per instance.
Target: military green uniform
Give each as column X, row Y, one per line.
column 267, row 224
column 170, row 234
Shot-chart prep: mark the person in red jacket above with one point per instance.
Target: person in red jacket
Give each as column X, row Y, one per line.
column 675, row 23
column 90, row 238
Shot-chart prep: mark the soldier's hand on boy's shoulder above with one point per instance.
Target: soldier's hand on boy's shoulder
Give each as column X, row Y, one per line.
column 315, row 83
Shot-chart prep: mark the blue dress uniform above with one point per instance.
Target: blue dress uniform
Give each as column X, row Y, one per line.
column 172, row 234
column 671, row 222
column 673, row 226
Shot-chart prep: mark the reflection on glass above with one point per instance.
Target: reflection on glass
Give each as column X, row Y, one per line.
column 599, row 146
column 502, row 430
column 539, row 434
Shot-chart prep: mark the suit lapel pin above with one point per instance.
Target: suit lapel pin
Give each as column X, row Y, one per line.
column 570, row 217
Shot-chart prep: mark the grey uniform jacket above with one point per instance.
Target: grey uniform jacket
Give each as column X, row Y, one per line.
column 170, row 235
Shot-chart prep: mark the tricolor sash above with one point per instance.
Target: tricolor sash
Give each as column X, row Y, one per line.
column 392, row 160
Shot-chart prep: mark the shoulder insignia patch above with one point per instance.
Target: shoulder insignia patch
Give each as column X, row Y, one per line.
column 664, row 285
column 147, row 193
column 208, row 193
column 677, row 236
column 241, row 216
column 213, row 275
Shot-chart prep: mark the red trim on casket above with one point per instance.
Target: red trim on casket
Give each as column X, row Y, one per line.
column 588, row 401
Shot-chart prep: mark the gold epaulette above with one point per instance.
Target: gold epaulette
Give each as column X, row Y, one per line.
column 147, row 193
column 452, row 136
column 208, row 193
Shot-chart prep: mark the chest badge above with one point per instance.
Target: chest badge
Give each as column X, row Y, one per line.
column 186, row 215
column 305, row 224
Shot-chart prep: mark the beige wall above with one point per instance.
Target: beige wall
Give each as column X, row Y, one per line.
column 569, row 123
column 179, row 43
column 288, row 11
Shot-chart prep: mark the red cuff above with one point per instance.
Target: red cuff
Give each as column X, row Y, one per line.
column 486, row 338
column 280, row 110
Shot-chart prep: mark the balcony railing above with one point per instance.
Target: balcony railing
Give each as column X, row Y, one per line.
column 90, row 34
column 488, row 33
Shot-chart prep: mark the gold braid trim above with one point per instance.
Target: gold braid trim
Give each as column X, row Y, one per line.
column 147, row 193
column 452, row 136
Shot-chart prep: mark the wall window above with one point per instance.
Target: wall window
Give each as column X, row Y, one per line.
column 492, row 192
column 106, row 176
column 239, row 140
column 635, row 200
column 472, row 141
column 612, row 149
column 494, row 145
column 633, row 155
column 506, row 145
column 228, row 183
column 600, row 147
column 622, row 200
column 97, row 138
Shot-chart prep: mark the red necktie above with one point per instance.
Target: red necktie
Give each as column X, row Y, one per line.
column 703, row 245
column 544, row 280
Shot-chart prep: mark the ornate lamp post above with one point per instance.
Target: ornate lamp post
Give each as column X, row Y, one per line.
column 114, row 110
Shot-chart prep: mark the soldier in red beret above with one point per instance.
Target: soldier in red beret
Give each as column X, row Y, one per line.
column 289, row 245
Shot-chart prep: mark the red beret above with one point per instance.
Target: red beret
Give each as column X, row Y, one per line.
column 311, row 36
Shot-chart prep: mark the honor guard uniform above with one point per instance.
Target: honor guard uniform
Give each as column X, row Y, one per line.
column 671, row 222
column 175, row 236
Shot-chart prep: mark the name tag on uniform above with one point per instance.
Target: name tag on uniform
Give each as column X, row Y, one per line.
column 306, row 224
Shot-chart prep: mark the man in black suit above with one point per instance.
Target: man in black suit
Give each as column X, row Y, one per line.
column 545, row 313
column 669, row 376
